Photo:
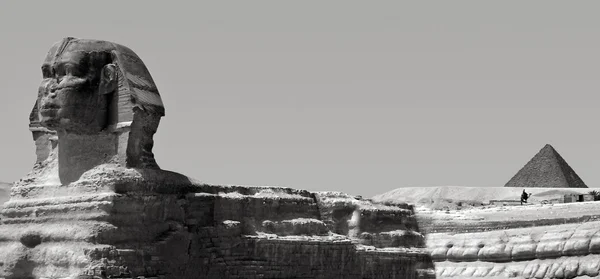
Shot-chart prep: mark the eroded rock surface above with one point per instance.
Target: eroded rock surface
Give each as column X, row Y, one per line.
column 535, row 241
column 124, row 222
column 562, row 251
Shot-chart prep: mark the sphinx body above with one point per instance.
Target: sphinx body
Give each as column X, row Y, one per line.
column 96, row 204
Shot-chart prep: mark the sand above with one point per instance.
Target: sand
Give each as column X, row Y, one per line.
column 425, row 195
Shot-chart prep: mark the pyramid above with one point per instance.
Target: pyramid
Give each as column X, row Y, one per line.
column 547, row 169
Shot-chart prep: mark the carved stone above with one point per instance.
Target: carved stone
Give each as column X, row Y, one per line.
column 101, row 102
column 96, row 204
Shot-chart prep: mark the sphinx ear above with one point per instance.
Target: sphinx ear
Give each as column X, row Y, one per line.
column 108, row 79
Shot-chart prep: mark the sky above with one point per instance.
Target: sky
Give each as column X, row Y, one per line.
column 355, row 96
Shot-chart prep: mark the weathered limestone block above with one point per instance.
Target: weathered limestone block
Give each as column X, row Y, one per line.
column 298, row 226
column 376, row 224
column 96, row 204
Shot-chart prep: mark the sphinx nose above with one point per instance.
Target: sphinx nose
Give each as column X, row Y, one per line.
column 52, row 88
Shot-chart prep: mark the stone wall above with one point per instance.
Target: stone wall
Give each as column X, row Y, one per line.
column 125, row 224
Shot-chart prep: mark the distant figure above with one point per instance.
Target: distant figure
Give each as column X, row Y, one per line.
column 524, row 197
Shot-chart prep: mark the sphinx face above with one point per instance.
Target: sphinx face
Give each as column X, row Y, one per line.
column 68, row 96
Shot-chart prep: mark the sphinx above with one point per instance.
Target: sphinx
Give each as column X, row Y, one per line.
column 97, row 205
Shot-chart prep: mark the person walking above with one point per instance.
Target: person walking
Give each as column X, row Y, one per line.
column 524, row 197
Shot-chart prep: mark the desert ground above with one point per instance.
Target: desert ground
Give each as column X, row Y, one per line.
column 444, row 197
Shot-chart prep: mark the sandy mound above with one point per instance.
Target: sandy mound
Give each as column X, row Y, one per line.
column 472, row 196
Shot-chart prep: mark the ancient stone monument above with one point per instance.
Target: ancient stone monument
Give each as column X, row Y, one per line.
column 97, row 205
column 547, row 169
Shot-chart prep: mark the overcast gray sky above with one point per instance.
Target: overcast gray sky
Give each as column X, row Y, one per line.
column 361, row 97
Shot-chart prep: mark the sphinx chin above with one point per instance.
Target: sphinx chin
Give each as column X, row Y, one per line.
column 53, row 122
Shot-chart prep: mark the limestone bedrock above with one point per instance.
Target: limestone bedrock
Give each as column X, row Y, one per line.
column 558, row 251
column 97, row 205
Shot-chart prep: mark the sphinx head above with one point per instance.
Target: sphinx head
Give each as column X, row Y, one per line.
column 88, row 85
column 94, row 88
